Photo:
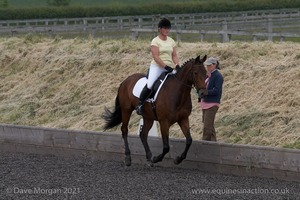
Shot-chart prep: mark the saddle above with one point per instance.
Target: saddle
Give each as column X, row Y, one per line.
column 155, row 89
column 140, row 84
column 156, row 86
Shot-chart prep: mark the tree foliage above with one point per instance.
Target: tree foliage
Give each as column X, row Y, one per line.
column 58, row 2
column 3, row 3
column 67, row 9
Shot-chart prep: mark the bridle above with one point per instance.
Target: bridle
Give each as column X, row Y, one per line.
column 193, row 78
column 192, row 74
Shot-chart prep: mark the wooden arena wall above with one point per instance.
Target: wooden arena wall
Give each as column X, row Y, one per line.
column 214, row 157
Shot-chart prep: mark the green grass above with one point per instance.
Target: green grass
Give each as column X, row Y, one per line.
column 295, row 145
column 39, row 3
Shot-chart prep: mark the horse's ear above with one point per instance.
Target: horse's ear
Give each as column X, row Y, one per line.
column 204, row 58
column 197, row 59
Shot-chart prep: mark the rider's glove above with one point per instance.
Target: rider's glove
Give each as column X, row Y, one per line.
column 169, row 69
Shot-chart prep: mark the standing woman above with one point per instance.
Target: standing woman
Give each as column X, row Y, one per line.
column 163, row 49
column 211, row 98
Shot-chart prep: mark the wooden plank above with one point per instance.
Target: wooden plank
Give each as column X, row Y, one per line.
column 194, row 18
column 209, row 156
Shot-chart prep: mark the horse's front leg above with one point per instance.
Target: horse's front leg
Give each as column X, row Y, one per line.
column 185, row 127
column 164, row 128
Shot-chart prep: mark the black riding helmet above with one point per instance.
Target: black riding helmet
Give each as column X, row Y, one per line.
column 164, row 23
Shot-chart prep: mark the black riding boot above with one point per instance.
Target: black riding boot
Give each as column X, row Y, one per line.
column 143, row 96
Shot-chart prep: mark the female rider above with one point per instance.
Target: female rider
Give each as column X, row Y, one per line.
column 163, row 49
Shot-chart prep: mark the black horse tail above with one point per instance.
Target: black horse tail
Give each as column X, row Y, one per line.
column 114, row 118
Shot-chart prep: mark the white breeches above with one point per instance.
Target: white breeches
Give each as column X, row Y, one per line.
column 154, row 72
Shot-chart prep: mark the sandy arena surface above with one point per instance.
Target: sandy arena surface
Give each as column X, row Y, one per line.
column 34, row 176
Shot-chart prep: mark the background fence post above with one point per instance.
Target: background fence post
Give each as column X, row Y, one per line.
column 85, row 24
column 225, row 31
column 254, row 38
column 178, row 37
column 270, row 29
column 134, row 34
column 201, row 36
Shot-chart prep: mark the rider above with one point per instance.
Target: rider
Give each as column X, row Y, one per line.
column 163, row 49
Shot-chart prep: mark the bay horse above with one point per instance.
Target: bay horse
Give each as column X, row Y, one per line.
column 173, row 104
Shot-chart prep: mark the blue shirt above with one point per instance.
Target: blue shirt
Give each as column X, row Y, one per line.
column 214, row 87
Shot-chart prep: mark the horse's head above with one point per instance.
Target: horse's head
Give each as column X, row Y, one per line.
column 199, row 73
column 193, row 72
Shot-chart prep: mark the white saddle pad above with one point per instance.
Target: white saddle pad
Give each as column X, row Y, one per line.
column 140, row 84
column 138, row 87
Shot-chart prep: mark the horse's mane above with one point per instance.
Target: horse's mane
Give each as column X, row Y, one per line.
column 184, row 64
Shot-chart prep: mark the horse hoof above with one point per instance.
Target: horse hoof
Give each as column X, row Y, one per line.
column 149, row 164
column 127, row 163
column 155, row 159
column 127, row 160
column 177, row 160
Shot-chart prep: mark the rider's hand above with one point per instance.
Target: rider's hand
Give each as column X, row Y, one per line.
column 169, row 69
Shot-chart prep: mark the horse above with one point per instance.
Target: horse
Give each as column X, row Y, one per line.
column 173, row 105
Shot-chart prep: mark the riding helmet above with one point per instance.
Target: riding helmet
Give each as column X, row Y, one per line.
column 164, row 23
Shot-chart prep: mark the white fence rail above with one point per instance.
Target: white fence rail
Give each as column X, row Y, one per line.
column 268, row 24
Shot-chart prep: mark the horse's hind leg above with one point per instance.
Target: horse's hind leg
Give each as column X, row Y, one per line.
column 144, row 138
column 184, row 125
column 124, row 129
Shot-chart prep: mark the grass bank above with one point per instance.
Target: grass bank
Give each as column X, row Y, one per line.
column 66, row 83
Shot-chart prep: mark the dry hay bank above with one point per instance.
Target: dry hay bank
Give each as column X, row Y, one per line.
column 66, row 83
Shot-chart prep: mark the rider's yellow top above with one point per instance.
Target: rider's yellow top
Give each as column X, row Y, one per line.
column 165, row 49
